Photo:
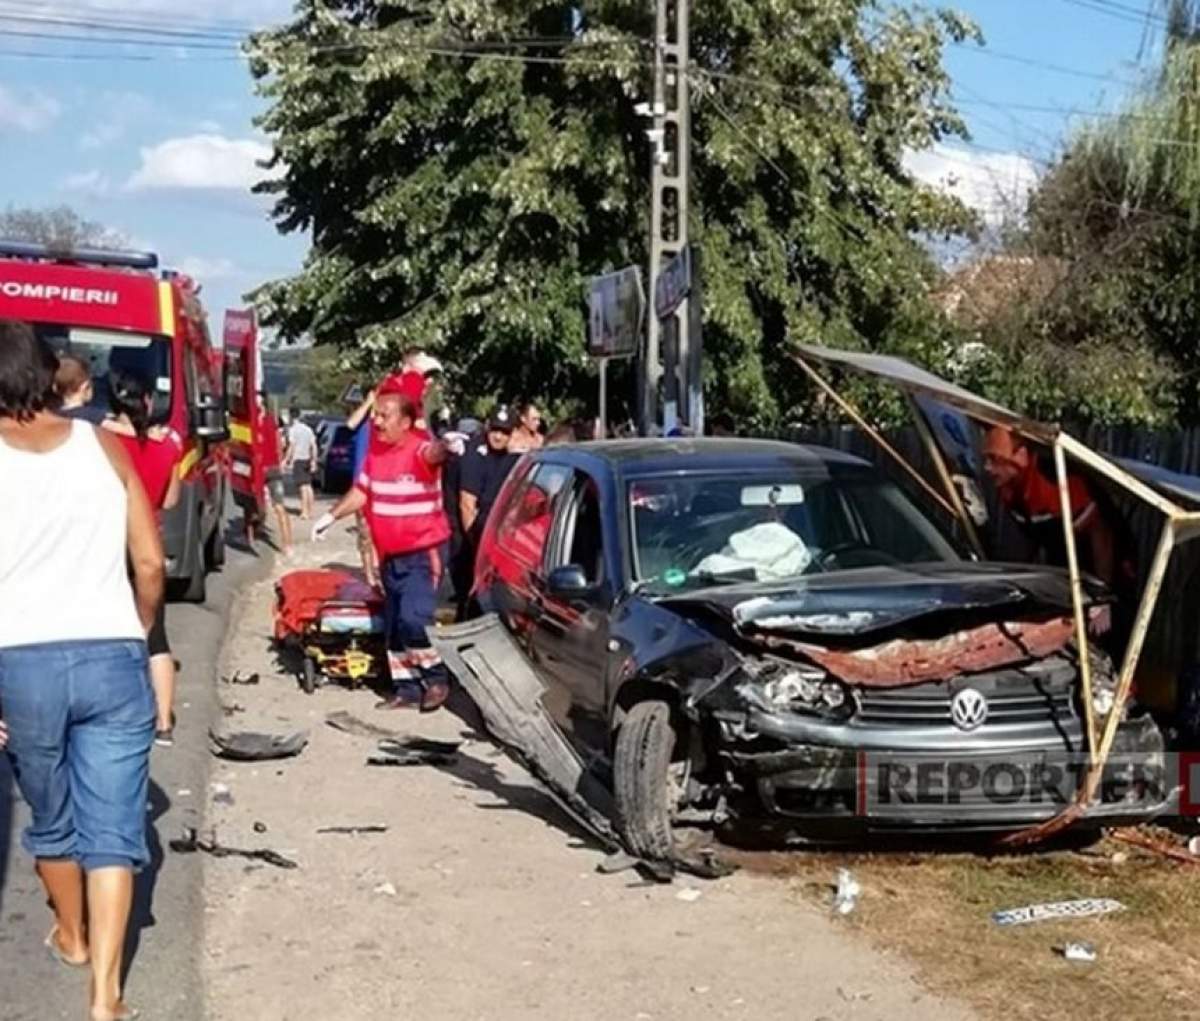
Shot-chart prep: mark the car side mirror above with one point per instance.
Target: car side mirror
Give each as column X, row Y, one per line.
column 568, row 582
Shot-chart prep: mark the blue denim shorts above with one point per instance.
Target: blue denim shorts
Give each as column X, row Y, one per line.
column 80, row 718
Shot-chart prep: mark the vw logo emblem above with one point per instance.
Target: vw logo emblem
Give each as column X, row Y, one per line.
column 968, row 709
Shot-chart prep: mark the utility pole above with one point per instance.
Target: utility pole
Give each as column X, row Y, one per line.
column 671, row 340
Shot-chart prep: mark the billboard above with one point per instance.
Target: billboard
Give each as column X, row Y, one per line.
column 616, row 308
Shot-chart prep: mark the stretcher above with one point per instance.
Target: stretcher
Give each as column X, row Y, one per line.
column 334, row 622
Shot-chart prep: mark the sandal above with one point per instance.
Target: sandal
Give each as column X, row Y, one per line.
column 58, row 954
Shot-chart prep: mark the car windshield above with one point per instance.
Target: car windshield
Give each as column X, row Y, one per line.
column 696, row 530
column 141, row 354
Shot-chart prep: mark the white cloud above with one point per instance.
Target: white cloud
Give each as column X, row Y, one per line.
column 203, row 269
column 996, row 185
column 207, row 161
column 88, row 182
column 27, row 110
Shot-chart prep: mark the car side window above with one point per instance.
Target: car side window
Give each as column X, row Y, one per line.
column 583, row 535
column 525, row 527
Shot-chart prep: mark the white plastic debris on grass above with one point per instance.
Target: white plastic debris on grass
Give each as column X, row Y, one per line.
column 1080, row 951
column 845, row 898
column 1087, row 908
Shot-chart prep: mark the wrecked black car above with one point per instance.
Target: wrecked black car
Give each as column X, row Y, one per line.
column 770, row 632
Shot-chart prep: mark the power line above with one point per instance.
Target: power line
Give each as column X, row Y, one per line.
column 1016, row 58
column 1130, row 15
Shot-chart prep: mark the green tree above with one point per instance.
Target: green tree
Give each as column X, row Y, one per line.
column 58, row 226
column 1115, row 340
column 465, row 166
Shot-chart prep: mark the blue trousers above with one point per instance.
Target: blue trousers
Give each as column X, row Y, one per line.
column 80, row 718
column 410, row 588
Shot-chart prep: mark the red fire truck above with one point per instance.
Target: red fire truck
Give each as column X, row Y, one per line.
column 118, row 312
column 243, row 381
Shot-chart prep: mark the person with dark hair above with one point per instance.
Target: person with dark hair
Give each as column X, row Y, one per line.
column 73, row 384
column 527, row 430
column 77, row 705
column 722, row 424
column 301, row 457
column 400, row 488
column 155, row 452
column 273, row 472
column 564, row 432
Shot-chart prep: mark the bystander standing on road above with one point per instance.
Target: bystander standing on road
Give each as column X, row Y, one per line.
column 484, row 472
column 400, row 488
column 73, row 384
column 527, row 429
column 360, row 422
column 77, row 704
column 155, row 452
column 301, row 458
column 272, row 457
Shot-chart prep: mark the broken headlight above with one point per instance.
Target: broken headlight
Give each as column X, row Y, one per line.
column 812, row 691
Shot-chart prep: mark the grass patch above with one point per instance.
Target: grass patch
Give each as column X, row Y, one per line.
column 935, row 910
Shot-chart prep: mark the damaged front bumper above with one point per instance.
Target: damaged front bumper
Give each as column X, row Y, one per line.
column 884, row 779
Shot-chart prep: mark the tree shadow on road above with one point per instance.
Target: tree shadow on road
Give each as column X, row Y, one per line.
column 142, row 915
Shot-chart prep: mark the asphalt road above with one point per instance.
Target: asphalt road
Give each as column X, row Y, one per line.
column 166, row 936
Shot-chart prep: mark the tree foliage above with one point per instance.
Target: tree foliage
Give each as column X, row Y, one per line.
column 57, row 226
column 1115, row 340
column 464, row 166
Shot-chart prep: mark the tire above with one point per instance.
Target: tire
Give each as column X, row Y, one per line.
column 308, row 676
column 214, row 549
column 641, row 780
column 196, row 587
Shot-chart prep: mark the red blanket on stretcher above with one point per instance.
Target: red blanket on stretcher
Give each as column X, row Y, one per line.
column 301, row 595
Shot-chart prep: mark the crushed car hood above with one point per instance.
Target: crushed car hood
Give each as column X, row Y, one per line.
column 860, row 601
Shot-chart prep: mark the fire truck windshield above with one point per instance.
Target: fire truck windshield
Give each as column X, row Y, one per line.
column 142, row 354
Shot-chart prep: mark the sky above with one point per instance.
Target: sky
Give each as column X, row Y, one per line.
column 164, row 150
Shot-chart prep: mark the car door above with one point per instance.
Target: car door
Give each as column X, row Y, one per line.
column 571, row 630
column 512, row 550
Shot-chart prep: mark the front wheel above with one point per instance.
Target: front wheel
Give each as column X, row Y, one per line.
column 308, row 677
column 642, row 780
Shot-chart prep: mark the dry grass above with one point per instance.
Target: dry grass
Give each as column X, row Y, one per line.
column 935, row 910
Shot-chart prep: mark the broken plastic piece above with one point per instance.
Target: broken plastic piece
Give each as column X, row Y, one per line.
column 240, row 678
column 845, row 897
column 1079, row 951
column 190, row 843
column 247, row 746
column 413, row 758
column 353, row 830
column 1085, row 908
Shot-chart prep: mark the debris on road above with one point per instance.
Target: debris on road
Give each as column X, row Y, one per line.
column 231, row 709
column 190, row 843
column 386, row 889
column 1079, row 951
column 240, row 678
column 222, row 795
column 348, row 723
column 247, row 746
column 1085, row 908
column 353, row 830
column 1157, row 845
column 689, row 895
column 260, row 827
column 845, row 897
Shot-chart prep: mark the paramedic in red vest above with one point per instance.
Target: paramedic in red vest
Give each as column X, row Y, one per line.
column 400, row 488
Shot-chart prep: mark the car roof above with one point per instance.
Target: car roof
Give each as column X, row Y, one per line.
column 654, row 456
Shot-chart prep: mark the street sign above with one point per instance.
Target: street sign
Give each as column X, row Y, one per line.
column 353, row 394
column 674, row 283
column 617, row 305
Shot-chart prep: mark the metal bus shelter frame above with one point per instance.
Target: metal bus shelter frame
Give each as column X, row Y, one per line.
column 1180, row 525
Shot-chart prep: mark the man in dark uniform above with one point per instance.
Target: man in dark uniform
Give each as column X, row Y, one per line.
column 483, row 473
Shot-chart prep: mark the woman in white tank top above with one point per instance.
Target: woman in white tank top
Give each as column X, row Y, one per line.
column 76, row 707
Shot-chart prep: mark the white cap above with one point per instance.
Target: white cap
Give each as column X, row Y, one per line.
column 425, row 364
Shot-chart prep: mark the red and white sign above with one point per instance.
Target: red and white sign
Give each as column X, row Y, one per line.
column 45, row 292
